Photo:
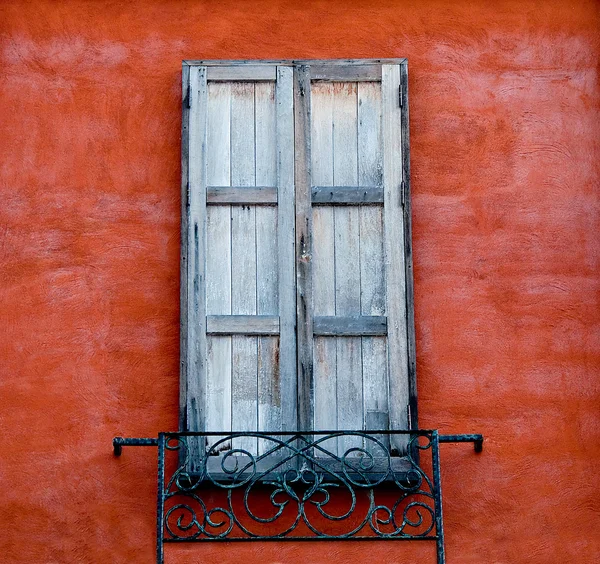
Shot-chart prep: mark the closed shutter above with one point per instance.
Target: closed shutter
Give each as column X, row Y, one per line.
column 350, row 235
column 296, row 256
column 240, row 351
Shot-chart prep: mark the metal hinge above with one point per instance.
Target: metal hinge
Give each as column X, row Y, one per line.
column 403, row 193
column 189, row 96
column 400, row 101
column 187, row 194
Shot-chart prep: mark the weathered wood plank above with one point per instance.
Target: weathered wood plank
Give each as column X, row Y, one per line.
column 345, row 73
column 325, row 366
column 349, row 326
column 375, row 387
column 240, row 73
column 349, row 390
column 347, row 262
column 267, row 287
column 304, row 244
column 183, row 274
column 242, row 324
column 244, row 410
column 196, row 303
column 269, row 389
column 370, row 167
column 241, row 195
column 218, row 302
column 292, row 62
column 410, row 318
column 285, row 241
column 344, row 195
column 372, row 275
column 394, row 252
column 324, row 350
column 218, row 259
column 218, row 385
column 244, row 391
column 218, row 138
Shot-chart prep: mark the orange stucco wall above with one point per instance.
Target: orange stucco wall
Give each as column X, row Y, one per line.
column 505, row 127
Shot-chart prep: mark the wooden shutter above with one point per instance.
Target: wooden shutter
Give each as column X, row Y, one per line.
column 353, row 248
column 238, row 288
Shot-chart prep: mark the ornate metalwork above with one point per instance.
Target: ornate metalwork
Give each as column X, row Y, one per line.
column 292, row 486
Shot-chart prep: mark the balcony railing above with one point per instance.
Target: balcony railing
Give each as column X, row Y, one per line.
column 296, row 486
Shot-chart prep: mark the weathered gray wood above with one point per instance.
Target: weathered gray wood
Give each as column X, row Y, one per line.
column 269, row 389
column 349, row 326
column 244, row 411
column 375, row 386
column 241, row 195
column 218, row 302
column 267, row 287
column 304, row 294
column 372, row 275
column 394, row 252
column 349, row 390
column 347, row 262
column 196, row 303
column 285, row 244
column 325, row 367
column 291, row 62
column 242, row 324
column 218, row 259
column 183, row 274
column 410, row 319
column 340, row 195
column 370, row 167
column 324, row 349
column 345, row 73
column 251, row 73
column 244, row 391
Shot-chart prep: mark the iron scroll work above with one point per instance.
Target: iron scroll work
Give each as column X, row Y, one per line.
column 299, row 486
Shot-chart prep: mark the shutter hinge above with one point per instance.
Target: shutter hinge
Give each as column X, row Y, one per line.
column 403, row 193
column 189, row 96
column 187, row 194
column 400, row 101
column 409, row 426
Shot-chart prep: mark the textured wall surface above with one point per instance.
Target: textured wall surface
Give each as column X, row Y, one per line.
column 505, row 133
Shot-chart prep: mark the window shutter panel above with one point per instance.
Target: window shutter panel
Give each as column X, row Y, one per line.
column 354, row 250
column 238, row 299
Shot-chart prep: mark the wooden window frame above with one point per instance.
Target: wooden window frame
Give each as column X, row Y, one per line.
column 337, row 69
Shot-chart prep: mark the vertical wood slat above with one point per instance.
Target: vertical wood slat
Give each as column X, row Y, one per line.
column 244, row 381
column 196, row 314
column 304, row 235
column 218, row 260
column 372, row 276
column 325, row 365
column 410, row 318
column 347, row 263
column 394, row 253
column 183, row 274
column 267, row 289
column 286, row 251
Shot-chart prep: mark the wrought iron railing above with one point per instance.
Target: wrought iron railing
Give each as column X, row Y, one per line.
column 291, row 486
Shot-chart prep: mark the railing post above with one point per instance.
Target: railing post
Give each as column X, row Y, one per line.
column 437, row 487
column 160, row 500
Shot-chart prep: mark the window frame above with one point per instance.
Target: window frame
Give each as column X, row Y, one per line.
column 343, row 65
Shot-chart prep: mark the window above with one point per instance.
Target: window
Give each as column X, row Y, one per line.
column 296, row 282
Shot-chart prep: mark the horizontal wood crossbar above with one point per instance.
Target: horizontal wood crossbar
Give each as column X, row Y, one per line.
column 242, row 73
column 242, row 325
column 347, row 195
column 338, row 326
column 241, row 195
column 339, row 73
